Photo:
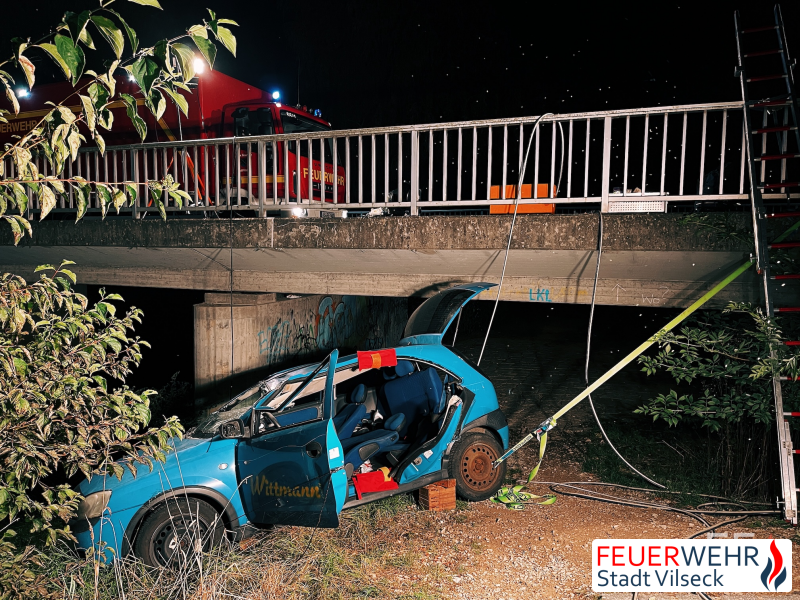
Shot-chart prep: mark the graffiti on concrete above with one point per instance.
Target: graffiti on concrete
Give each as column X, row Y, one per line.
column 344, row 322
column 542, row 295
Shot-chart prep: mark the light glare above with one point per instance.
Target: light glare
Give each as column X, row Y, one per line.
column 199, row 65
column 22, row 93
column 276, row 95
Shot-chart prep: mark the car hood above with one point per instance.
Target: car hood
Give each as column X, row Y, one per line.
column 184, row 453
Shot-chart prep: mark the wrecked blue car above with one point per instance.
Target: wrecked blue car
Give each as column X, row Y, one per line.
column 307, row 443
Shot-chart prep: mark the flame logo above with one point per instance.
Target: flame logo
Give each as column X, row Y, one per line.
column 774, row 572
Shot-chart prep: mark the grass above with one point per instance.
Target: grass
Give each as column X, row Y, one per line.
column 677, row 462
column 378, row 551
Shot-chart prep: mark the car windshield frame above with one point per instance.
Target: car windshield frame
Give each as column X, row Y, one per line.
column 234, row 409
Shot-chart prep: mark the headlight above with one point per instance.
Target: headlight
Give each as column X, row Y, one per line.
column 93, row 505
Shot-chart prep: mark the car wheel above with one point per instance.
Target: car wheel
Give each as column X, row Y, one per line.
column 176, row 530
column 471, row 466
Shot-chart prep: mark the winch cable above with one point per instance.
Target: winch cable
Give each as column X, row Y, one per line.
column 523, row 164
column 588, row 353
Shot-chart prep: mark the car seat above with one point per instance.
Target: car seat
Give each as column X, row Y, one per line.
column 361, row 447
column 351, row 414
column 403, row 368
column 416, row 396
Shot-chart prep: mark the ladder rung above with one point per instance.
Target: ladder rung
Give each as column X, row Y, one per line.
column 772, row 186
column 782, row 215
column 796, row 452
column 787, row 309
column 763, row 53
column 791, row 343
column 774, row 129
column 777, row 156
column 766, row 77
column 757, row 29
column 757, row 103
column 784, row 245
column 787, row 276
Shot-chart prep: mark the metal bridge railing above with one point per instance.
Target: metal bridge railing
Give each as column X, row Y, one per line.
column 622, row 160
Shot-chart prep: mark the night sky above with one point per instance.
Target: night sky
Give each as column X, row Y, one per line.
column 392, row 63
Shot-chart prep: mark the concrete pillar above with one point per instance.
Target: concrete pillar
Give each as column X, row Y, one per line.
column 271, row 330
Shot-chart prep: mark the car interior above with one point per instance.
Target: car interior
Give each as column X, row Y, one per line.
column 378, row 414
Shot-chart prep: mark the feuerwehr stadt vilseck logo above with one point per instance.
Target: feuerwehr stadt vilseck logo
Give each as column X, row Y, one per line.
column 774, row 573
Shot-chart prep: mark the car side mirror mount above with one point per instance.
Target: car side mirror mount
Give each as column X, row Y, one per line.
column 233, row 430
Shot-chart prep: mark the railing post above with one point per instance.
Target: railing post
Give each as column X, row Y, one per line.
column 262, row 178
column 606, row 164
column 414, row 172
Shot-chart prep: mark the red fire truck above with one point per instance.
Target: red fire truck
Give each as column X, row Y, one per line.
column 219, row 107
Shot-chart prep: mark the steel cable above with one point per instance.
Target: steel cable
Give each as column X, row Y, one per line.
column 523, row 164
column 588, row 351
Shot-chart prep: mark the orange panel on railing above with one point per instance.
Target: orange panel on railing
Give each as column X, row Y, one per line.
column 543, row 191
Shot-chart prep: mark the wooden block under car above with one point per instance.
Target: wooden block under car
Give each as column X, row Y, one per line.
column 439, row 496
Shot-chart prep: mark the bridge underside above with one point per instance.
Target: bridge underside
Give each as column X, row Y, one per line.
column 627, row 278
column 648, row 260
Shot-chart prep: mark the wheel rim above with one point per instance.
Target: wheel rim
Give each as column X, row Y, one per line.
column 178, row 538
column 476, row 467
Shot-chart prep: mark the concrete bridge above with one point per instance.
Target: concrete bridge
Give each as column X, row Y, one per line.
column 648, row 259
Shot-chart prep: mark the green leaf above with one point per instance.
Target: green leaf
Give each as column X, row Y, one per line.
column 132, row 37
column 207, row 48
column 185, row 57
column 72, row 55
column 138, row 122
column 21, row 367
column 153, row 3
column 86, row 39
column 111, row 32
column 76, row 23
column 131, row 189
column 81, row 201
column 179, row 100
column 199, row 31
column 28, row 68
column 548, row 501
column 227, row 22
column 119, row 199
column 161, row 210
column 179, row 196
column 54, row 54
column 145, row 72
column 89, row 114
column 12, row 97
column 21, row 197
column 47, row 200
column 227, row 38
column 101, row 143
column 105, row 197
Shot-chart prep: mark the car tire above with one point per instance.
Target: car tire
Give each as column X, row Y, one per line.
column 171, row 534
column 470, row 465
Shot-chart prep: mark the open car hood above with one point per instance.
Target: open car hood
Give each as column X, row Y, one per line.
column 432, row 319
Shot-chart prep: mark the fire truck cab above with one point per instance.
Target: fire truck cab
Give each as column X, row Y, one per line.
column 219, row 107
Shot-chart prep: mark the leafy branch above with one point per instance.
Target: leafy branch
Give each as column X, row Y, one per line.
column 162, row 71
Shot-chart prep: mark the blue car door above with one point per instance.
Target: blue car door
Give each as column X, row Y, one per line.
column 292, row 468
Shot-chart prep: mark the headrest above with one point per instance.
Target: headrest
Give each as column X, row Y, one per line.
column 402, row 369
column 358, row 395
column 395, row 422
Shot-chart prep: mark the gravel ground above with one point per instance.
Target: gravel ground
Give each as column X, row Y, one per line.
column 536, row 365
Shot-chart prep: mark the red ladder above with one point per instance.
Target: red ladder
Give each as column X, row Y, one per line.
column 774, row 149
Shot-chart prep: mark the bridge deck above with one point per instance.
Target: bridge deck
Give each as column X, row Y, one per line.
column 648, row 259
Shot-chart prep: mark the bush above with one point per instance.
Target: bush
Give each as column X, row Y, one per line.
column 60, row 413
column 725, row 367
